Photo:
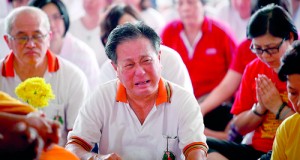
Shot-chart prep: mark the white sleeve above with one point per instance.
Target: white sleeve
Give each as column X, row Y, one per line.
column 174, row 68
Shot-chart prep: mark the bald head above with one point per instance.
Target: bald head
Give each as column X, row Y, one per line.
column 31, row 13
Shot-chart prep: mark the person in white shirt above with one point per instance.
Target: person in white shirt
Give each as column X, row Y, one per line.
column 64, row 44
column 139, row 115
column 87, row 27
column 28, row 36
column 235, row 14
column 173, row 70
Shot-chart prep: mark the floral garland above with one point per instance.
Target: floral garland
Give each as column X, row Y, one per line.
column 35, row 91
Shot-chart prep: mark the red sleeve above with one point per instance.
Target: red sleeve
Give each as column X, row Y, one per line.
column 171, row 33
column 242, row 57
column 247, row 93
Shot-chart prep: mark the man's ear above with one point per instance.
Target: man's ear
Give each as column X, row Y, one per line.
column 159, row 53
column 7, row 40
column 50, row 35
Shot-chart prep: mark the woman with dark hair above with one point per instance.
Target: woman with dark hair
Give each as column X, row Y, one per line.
column 115, row 15
column 63, row 13
column 262, row 100
column 65, row 44
column 231, row 82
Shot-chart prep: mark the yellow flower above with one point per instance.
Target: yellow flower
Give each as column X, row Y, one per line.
column 35, row 91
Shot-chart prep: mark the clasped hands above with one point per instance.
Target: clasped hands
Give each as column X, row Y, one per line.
column 267, row 94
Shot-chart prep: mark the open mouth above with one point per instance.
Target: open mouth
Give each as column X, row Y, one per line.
column 142, row 83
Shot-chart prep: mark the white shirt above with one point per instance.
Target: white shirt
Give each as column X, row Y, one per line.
column 173, row 69
column 108, row 119
column 69, row 86
column 75, row 8
column 153, row 19
column 231, row 18
column 80, row 54
column 91, row 38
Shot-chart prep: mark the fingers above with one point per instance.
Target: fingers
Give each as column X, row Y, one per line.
column 47, row 129
column 264, row 89
column 29, row 143
column 55, row 131
column 266, row 92
column 259, row 91
column 264, row 84
column 37, row 145
column 54, row 136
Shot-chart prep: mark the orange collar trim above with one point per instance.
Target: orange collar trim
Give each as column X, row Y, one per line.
column 8, row 64
column 164, row 93
column 53, row 64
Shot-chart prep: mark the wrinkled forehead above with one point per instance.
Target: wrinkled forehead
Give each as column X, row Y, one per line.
column 28, row 21
column 139, row 46
column 137, row 42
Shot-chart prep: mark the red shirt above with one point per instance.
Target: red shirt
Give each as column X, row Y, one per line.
column 265, row 133
column 212, row 54
column 242, row 56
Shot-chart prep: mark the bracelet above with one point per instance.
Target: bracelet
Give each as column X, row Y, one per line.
column 234, row 135
column 256, row 113
column 280, row 109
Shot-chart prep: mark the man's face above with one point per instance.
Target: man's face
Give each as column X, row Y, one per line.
column 293, row 86
column 29, row 38
column 138, row 67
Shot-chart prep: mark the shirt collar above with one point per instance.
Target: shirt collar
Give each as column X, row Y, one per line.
column 164, row 93
column 8, row 67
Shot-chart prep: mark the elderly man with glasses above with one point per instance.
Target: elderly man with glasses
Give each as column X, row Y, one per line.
column 28, row 36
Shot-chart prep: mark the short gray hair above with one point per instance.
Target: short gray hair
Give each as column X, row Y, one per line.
column 127, row 32
column 10, row 18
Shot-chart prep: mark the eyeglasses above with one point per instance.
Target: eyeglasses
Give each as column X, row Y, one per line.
column 269, row 51
column 24, row 39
